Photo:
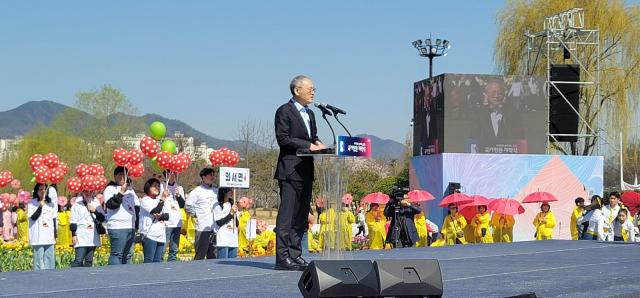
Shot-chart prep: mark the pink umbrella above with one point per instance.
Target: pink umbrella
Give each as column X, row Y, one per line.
column 539, row 197
column 456, row 199
column 376, row 198
column 506, row 206
column 417, row 195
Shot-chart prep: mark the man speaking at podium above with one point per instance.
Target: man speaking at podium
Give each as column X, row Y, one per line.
column 295, row 129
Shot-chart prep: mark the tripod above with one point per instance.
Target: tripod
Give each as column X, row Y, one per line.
column 399, row 226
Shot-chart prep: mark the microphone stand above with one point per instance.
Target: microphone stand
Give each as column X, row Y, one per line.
column 324, row 115
column 335, row 115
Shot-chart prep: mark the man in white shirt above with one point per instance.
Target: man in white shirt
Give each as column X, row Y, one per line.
column 123, row 207
column 199, row 205
column 610, row 212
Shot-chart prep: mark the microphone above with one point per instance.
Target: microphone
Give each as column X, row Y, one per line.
column 326, row 112
column 334, row 109
column 323, row 108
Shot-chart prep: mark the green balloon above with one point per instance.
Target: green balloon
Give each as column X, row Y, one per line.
column 156, row 167
column 168, row 146
column 157, row 130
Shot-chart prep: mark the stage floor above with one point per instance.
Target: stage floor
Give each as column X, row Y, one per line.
column 548, row 268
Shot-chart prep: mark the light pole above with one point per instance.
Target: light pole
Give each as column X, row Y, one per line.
column 429, row 50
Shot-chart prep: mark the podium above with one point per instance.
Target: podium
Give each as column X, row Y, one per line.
column 330, row 186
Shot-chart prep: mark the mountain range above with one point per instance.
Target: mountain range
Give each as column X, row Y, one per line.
column 24, row 118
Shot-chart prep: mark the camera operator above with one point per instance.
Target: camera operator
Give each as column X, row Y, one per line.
column 402, row 230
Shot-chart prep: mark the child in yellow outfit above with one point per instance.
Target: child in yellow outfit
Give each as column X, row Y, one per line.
column 22, row 224
column 577, row 213
column 375, row 223
column 64, row 227
column 544, row 222
column 502, row 227
column 453, row 227
column 421, row 225
column 480, row 225
column 346, row 220
column 327, row 229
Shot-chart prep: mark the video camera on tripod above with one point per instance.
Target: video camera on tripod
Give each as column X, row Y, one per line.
column 397, row 195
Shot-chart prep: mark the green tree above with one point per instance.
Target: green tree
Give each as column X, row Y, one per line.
column 361, row 183
column 619, row 26
column 385, row 185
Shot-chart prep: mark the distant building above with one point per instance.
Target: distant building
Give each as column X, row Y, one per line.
column 8, row 148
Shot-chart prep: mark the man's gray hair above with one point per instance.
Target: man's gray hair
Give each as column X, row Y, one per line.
column 297, row 82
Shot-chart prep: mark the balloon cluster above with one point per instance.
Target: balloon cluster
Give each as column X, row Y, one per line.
column 245, row 203
column 174, row 163
column 89, row 177
column 5, row 178
column 347, row 199
column 164, row 156
column 48, row 168
column 224, row 156
column 132, row 160
column 8, row 199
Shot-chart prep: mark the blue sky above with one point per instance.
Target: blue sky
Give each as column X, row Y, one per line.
column 215, row 64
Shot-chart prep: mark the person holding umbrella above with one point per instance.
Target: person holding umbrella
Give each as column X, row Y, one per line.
column 453, row 227
column 502, row 220
column 480, row 225
column 544, row 222
column 375, row 223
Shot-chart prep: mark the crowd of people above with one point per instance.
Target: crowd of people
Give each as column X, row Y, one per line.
column 157, row 219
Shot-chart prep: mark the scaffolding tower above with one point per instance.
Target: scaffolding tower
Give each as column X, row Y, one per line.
column 565, row 33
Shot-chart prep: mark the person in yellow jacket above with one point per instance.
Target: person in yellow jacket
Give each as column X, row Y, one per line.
column 188, row 232
column 22, row 223
column 64, row 226
column 421, row 226
column 453, row 227
column 327, row 220
column 346, row 220
column 375, row 223
column 480, row 225
column 544, row 222
column 243, row 218
column 578, row 211
column 502, row 226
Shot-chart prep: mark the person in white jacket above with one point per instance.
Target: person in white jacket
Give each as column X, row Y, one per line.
column 199, row 205
column 623, row 228
column 123, row 207
column 226, row 224
column 86, row 216
column 152, row 221
column 594, row 220
column 42, row 212
column 172, row 206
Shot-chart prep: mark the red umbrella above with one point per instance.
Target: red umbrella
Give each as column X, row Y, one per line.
column 416, row 196
column 376, row 198
column 631, row 199
column 456, row 199
column 539, row 197
column 470, row 209
column 506, row 206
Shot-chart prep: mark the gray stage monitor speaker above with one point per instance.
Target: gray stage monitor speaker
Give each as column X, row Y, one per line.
column 409, row 278
column 339, row 278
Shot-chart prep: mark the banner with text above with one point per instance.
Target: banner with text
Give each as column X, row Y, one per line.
column 234, row 177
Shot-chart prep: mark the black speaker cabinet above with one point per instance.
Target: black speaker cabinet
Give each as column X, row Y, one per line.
column 409, row 278
column 339, row 278
column 562, row 118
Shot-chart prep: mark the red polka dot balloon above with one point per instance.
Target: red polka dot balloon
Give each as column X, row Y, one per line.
column 120, row 156
column 136, row 170
column 74, row 184
column 82, row 170
column 136, row 156
column 181, row 162
column 96, row 170
column 36, row 160
column 215, row 158
column 164, row 160
column 149, row 146
column 5, row 178
column 51, row 160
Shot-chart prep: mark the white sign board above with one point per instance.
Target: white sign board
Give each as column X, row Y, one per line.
column 234, row 177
